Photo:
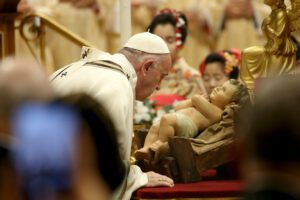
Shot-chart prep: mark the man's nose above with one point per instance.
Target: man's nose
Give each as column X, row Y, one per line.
column 157, row 87
column 158, row 84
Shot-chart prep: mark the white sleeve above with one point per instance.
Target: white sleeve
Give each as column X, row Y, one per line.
column 116, row 96
column 120, row 107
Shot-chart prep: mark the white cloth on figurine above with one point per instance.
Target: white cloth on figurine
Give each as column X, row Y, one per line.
column 185, row 126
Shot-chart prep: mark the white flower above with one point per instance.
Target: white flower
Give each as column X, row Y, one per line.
column 159, row 114
column 142, row 113
column 141, row 108
column 172, row 110
column 140, row 117
column 175, row 103
column 145, row 112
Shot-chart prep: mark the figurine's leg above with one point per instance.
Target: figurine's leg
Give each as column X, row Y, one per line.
column 167, row 127
column 160, row 131
column 152, row 136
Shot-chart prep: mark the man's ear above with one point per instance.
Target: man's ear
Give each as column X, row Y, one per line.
column 146, row 66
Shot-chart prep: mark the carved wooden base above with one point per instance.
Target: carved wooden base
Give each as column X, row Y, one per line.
column 184, row 165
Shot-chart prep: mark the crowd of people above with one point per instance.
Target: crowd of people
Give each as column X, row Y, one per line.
column 212, row 25
column 69, row 135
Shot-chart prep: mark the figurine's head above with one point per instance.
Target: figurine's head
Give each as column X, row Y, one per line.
column 231, row 91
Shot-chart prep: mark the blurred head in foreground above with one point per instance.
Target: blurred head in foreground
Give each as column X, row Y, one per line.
column 270, row 138
column 21, row 80
column 66, row 150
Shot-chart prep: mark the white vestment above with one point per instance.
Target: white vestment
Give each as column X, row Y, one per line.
column 116, row 92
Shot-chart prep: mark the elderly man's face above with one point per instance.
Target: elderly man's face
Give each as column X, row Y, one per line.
column 150, row 78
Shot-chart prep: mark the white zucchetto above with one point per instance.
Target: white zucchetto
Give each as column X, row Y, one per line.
column 148, row 43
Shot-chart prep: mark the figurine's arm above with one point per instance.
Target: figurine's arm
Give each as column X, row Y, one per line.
column 188, row 103
column 184, row 104
column 206, row 108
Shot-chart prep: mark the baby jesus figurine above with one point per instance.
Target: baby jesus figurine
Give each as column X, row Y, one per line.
column 192, row 116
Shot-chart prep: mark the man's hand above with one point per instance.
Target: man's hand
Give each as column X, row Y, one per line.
column 155, row 179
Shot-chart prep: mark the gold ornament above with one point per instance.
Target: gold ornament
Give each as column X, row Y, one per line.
column 278, row 55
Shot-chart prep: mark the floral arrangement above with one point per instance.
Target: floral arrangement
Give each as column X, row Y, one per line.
column 147, row 113
column 231, row 61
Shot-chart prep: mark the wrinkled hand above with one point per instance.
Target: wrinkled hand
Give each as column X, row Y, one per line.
column 155, row 179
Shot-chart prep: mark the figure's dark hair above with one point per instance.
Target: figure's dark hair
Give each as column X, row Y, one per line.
column 215, row 57
column 168, row 18
column 241, row 96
